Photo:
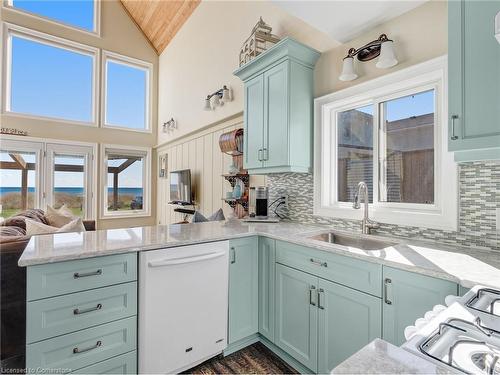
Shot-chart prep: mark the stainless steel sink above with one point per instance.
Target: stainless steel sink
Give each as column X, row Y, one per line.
column 352, row 241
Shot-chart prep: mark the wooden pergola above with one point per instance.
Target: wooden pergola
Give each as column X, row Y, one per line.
column 18, row 163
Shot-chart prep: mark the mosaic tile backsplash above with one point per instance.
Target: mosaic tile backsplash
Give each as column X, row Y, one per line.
column 479, row 189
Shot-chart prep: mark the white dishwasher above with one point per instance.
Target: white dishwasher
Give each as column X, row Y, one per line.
column 183, row 304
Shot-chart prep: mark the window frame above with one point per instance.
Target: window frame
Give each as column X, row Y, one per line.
column 145, row 152
column 443, row 213
column 11, row 30
column 134, row 63
column 9, row 6
column 44, row 167
column 88, row 151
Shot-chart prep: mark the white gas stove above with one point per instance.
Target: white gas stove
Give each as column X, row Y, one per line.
column 465, row 336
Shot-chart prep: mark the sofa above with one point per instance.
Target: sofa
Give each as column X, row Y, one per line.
column 13, row 241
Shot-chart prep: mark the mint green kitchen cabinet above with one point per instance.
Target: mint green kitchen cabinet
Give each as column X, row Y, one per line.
column 81, row 315
column 278, row 118
column 267, row 274
column 474, row 80
column 297, row 315
column 407, row 297
column 243, row 288
column 348, row 320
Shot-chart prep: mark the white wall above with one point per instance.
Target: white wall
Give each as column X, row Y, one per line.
column 204, row 54
column 201, row 154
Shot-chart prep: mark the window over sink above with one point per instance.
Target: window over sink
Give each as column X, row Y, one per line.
column 390, row 133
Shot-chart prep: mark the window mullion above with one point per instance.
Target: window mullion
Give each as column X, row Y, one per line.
column 380, row 183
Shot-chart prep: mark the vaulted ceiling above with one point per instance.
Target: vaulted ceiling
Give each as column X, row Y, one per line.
column 160, row 20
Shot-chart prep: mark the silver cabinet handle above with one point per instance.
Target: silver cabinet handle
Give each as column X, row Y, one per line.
column 318, row 263
column 320, row 293
column 78, row 275
column 77, row 350
column 84, row 311
column 265, row 154
column 386, row 291
column 261, row 158
column 233, row 255
column 453, row 136
column 312, row 288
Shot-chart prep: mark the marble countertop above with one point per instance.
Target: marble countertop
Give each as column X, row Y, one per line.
column 466, row 266
column 381, row 357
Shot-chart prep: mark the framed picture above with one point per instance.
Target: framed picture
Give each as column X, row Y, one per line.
column 163, row 166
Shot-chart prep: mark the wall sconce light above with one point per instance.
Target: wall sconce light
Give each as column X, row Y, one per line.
column 217, row 98
column 169, row 126
column 383, row 48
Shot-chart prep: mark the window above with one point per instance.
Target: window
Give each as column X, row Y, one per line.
column 19, row 176
column 30, row 180
column 127, row 93
column 388, row 133
column 69, row 168
column 126, row 180
column 60, row 83
column 82, row 14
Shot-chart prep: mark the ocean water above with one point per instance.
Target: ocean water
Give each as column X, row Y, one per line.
column 72, row 190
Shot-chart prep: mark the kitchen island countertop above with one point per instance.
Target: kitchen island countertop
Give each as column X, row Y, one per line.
column 466, row 266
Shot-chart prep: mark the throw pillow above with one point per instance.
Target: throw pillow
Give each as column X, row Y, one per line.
column 59, row 217
column 34, row 227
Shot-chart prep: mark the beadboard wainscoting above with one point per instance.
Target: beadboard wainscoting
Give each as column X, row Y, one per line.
column 201, row 154
column 479, row 198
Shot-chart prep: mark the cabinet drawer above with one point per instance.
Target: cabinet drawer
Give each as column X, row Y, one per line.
column 354, row 273
column 53, row 279
column 83, row 348
column 64, row 314
column 123, row 364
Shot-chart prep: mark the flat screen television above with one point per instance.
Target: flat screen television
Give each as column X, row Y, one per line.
column 180, row 187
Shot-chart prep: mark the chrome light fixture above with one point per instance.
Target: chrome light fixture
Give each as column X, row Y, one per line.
column 169, row 126
column 217, row 98
column 383, row 48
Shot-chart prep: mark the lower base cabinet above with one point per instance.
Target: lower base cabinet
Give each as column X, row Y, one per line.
column 297, row 315
column 348, row 320
column 407, row 297
column 243, row 288
column 267, row 274
column 321, row 323
column 122, row 364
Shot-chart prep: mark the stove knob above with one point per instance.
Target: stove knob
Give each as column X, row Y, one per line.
column 450, row 299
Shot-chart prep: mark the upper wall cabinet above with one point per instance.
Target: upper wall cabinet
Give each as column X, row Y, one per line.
column 474, row 80
column 279, row 109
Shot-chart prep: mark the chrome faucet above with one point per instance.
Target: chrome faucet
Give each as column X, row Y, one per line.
column 366, row 224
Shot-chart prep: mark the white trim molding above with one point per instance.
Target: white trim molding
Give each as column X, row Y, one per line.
column 443, row 212
column 145, row 153
column 11, row 30
column 133, row 63
column 8, row 5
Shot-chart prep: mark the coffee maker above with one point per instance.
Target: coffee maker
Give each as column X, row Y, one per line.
column 261, row 202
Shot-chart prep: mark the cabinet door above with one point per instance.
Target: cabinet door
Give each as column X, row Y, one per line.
column 243, row 288
column 474, row 75
column 276, row 99
column 348, row 320
column 267, row 259
column 297, row 315
column 254, row 123
column 407, row 297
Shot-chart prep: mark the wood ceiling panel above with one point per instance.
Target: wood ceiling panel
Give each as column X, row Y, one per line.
column 160, row 20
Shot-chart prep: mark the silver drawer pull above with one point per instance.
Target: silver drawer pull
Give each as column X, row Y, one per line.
column 387, row 283
column 318, row 263
column 320, row 293
column 311, row 293
column 78, row 311
column 77, row 275
column 77, row 351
